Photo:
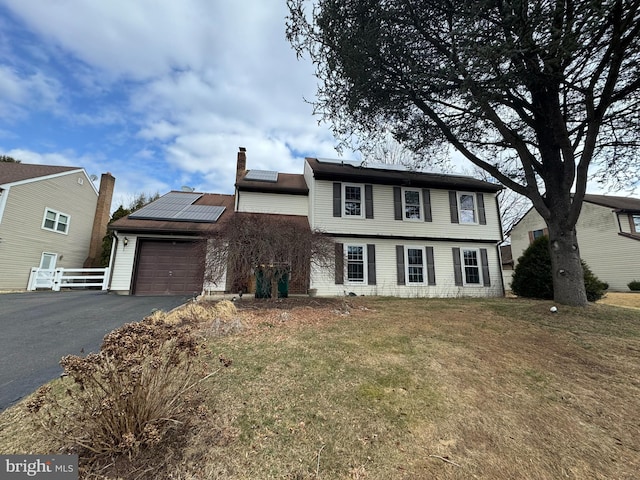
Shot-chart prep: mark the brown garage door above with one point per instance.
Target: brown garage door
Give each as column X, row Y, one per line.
column 169, row 268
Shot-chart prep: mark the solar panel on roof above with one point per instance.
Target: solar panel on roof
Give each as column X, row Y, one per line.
column 178, row 207
column 200, row 213
column 262, row 176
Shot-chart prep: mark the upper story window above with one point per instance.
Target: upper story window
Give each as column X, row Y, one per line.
column 467, row 207
column 353, row 200
column 55, row 221
column 411, row 204
column 635, row 221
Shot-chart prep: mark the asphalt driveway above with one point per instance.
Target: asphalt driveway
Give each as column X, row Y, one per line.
column 38, row 328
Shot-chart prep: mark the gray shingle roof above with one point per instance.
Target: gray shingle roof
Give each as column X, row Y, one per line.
column 15, row 172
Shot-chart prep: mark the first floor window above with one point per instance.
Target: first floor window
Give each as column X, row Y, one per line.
column 537, row 234
column 55, row 221
column 415, row 265
column 355, row 263
column 471, row 267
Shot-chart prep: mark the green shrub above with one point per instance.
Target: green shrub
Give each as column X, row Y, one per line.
column 634, row 286
column 532, row 277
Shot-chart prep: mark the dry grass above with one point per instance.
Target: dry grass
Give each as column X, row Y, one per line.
column 620, row 299
column 394, row 389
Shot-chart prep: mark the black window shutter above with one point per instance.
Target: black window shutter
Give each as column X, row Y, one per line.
column 371, row 264
column 453, row 207
column 482, row 218
column 368, row 201
column 397, row 203
column 457, row 267
column 485, row 267
column 426, row 200
column 400, row 264
column 431, row 270
column 337, row 199
column 339, row 264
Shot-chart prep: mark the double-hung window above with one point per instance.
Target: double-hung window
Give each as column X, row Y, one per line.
column 635, row 220
column 353, row 201
column 356, row 262
column 467, row 207
column 471, row 266
column 55, row 221
column 415, row 265
column 411, row 204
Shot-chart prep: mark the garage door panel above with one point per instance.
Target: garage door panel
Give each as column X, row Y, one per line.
column 169, row 267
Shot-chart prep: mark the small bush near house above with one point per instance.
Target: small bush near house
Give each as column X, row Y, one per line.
column 634, row 286
column 143, row 392
column 532, row 277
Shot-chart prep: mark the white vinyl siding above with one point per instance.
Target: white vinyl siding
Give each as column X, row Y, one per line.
column 273, row 203
column 387, row 272
column 384, row 223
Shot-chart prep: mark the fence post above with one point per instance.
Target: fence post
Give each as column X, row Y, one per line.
column 105, row 279
column 57, row 279
column 32, row 279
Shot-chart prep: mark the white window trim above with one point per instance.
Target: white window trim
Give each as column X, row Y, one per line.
column 365, row 268
column 633, row 222
column 420, row 205
column 475, row 208
column 464, row 266
column 344, row 200
column 54, row 229
column 406, row 264
column 4, row 193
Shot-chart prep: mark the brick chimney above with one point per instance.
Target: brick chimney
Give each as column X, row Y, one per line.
column 241, row 166
column 100, row 219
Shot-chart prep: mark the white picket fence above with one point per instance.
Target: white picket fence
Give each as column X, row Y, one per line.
column 68, row 278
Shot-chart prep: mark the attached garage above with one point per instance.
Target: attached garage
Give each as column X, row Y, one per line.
column 169, row 267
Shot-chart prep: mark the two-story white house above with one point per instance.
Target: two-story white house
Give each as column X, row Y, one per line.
column 396, row 232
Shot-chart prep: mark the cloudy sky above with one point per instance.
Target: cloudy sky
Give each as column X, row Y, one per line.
column 161, row 93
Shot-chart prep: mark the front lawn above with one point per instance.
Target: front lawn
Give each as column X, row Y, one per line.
column 382, row 388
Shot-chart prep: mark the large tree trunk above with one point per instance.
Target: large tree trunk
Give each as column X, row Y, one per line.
column 566, row 267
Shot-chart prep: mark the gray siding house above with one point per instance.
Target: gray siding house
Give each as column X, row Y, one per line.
column 608, row 232
column 50, row 217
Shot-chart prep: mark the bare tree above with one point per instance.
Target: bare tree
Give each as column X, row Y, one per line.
column 540, row 94
column 270, row 246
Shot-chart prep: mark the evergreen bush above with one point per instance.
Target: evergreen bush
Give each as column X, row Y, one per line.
column 532, row 277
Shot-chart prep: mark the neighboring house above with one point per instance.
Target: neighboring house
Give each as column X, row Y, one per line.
column 396, row 232
column 50, row 217
column 608, row 231
column 507, row 265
